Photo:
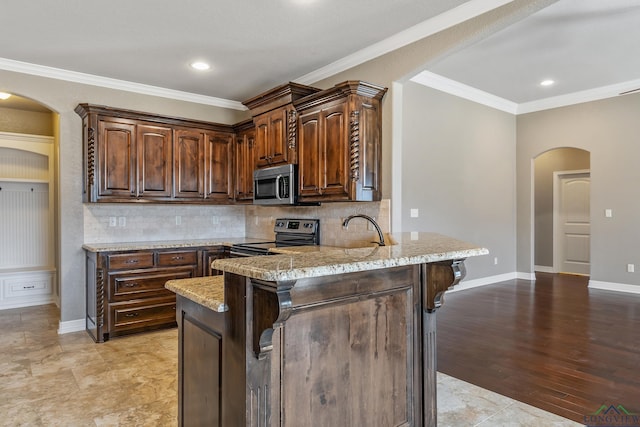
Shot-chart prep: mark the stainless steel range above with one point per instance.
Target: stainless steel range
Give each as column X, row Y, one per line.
column 288, row 232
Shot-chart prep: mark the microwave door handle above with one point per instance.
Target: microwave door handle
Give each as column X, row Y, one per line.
column 278, row 187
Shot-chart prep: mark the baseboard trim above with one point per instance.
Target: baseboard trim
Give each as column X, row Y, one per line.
column 618, row 287
column 526, row 276
column 71, row 326
column 543, row 269
column 468, row 284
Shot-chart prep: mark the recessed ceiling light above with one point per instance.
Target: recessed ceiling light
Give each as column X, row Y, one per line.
column 4, row 95
column 199, row 65
column 547, row 82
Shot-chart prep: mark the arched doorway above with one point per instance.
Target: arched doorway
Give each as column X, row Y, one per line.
column 561, row 211
column 27, row 204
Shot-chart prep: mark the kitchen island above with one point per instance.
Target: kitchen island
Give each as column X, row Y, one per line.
column 335, row 337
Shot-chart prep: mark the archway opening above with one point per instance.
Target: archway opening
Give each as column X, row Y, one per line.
column 561, row 211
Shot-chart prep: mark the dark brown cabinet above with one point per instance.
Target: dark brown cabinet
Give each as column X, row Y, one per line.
column 272, row 143
column 339, row 143
column 245, row 161
column 125, row 289
column 188, row 156
column 131, row 156
column 275, row 123
column 218, row 166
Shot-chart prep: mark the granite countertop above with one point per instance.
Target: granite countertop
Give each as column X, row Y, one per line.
column 409, row 248
column 167, row 244
column 206, row 291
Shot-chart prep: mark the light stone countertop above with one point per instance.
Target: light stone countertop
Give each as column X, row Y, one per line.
column 409, row 249
column 206, row 291
column 167, row 244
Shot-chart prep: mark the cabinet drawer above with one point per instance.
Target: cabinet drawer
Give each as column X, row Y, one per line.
column 177, row 258
column 142, row 314
column 124, row 286
column 131, row 260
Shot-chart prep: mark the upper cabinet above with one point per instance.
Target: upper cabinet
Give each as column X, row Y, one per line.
column 333, row 135
column 244, row 161
column 131, row 156
column 275, row 123
column 339, row 143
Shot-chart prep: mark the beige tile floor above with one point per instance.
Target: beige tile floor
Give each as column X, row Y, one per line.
column 48, row 379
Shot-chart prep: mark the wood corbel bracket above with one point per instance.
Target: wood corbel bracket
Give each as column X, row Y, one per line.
column 440, row 276
column 271, row 307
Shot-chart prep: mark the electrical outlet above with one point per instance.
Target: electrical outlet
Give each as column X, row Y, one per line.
column 631, row 268
column 608, row 213
column 414, row 213
column 122, row 221
column 215, row 220
column 178, row 220
column 113, row 221
column 495, row 261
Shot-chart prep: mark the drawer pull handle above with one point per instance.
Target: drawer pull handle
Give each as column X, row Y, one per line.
column 132, row 261
column 29, row 287
column 130, row 285
column 132, row 314
column 177, row 258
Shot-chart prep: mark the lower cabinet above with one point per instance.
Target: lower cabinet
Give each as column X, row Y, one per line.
column 199, row 365
column 125, row 289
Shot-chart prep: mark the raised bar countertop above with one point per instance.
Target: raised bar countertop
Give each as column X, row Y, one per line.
column 206, row 291
column 162, row 244
column 408, row 249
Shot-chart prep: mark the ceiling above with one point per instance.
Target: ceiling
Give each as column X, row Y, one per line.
column 254, row 46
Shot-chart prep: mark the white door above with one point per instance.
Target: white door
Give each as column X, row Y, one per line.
column 572, row 217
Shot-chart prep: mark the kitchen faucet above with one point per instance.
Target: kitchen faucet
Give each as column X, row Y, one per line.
column 345, row 224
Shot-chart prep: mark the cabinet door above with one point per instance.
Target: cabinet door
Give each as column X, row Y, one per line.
column 309, row 154
column 116, row 159
column 334, row 147
column 218, row 166
column 323, row 154
column 278, row 133
column 154, row 161
column 272, row 138
column 211, row 255
column 245, row 164
column 189, row 164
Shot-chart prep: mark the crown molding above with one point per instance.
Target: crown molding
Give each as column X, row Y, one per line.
column 589, row 95
column 452, row 87
column 90, row 79
column 436, row 81
column 419, row 31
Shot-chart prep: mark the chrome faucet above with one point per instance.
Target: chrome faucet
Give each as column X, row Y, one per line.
column 345, row 224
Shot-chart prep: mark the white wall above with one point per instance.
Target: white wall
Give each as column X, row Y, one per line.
column 458, row 170
column 610, row 130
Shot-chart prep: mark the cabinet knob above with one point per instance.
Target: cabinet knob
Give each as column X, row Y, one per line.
column 136, row 314
column 177, row 258
column 132, row 261
column 130, row 285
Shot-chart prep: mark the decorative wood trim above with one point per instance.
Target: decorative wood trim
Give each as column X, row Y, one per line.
column 271, row 307
column 91, row 158
column 439, row 277
column 99, row 300
column 354, row 141
column 293, row 123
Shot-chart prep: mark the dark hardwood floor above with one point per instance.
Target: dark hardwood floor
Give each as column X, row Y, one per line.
column 552, row 343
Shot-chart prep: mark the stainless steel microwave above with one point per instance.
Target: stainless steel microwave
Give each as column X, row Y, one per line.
column 277, row 185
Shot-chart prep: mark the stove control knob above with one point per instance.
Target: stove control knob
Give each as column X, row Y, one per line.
column 280, row 224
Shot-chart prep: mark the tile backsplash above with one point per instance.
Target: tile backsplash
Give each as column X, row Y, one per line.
column 143, row 222
column 260, row 221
